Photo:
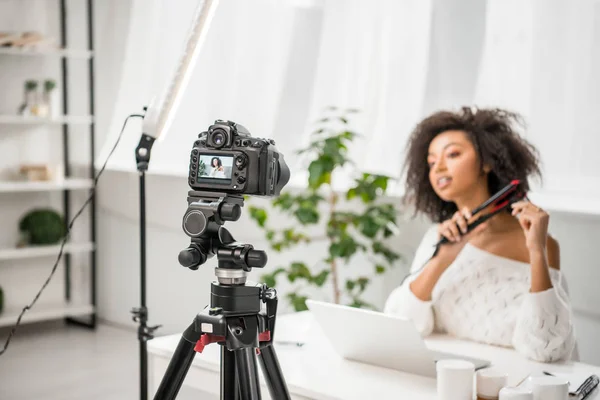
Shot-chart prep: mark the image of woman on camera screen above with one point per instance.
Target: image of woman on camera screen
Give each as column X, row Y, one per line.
column 217, row 170
column 501, row 283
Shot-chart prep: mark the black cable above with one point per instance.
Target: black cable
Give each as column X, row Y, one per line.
column 60, row 253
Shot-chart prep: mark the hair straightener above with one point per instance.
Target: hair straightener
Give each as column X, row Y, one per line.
column 502, row 200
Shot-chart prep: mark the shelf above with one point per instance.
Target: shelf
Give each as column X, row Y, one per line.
column 65, row 119
column 45, row 313
column 43, row 251
column 49, row 52
column 67, row 184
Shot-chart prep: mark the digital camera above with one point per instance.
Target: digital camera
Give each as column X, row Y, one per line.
column 226, row 158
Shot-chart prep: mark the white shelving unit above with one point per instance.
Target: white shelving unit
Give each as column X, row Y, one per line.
column 45, row 186
column 46, row 52
column 44, row 251
column 59, row 57
column 65, row 119
column 45, row 313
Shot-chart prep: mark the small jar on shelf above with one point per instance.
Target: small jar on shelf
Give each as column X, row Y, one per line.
column 50, row 99
column 30, row 104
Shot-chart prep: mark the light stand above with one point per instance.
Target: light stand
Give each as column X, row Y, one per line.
column 157, row 120
column 140, row 314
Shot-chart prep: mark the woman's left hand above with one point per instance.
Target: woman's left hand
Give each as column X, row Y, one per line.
column 534, row 222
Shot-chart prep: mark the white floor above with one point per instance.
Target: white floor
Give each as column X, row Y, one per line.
column 57, row 361
column 54, row 361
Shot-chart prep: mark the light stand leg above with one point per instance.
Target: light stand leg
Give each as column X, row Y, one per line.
column 247, row 373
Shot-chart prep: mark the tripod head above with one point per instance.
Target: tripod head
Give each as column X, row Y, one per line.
column 203, row 222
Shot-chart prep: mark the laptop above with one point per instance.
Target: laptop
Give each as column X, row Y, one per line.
column 379, row 339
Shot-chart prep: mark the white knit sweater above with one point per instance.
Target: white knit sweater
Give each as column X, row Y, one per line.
column 485, row 297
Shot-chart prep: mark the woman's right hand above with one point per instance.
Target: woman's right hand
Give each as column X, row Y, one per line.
column 455, row 230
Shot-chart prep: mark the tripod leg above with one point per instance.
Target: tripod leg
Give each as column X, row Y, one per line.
column 272, row 373
column 178, row 366
column 247, row 373
column 229, row 386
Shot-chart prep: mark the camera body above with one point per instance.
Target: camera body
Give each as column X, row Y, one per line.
column 227, row 159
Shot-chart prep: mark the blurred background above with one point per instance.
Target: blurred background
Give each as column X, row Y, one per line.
column 372, row 68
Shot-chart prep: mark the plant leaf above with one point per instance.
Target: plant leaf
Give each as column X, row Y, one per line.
column 298, row 301
column 350, row 284
column 351, row 194
column 315, row 171
column 259, row 215
column 271, row 279
column 362, row 283
column 307, row 215
column 299, row 270
column 270, row 234
column 321, row 277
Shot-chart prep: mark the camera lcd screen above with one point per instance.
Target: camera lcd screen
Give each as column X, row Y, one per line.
column 215, row 167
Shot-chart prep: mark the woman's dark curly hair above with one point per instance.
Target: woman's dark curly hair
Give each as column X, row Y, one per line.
column 496, row 142
column 212, row 162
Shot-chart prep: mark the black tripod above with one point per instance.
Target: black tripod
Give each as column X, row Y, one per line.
column 235, row 319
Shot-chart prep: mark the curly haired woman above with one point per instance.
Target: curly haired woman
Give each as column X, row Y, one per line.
column 501, row 283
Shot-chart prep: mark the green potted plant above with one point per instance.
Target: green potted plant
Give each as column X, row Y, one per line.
column 202, row 168
column 50, row 99
column 30, row 99
column 41, row 227
column 360, row 228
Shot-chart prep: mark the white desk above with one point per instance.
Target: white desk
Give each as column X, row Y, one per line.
column 315, row 371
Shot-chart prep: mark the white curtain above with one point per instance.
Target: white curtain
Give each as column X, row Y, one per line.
column 565, row 94
column 546, row 66
column 238, row 75
column 372, row 57
column 275, row 65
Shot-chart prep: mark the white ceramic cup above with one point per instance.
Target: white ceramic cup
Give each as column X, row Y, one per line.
column 455, row 379
column 489, row 382
column 515, row 393
column 549, row 388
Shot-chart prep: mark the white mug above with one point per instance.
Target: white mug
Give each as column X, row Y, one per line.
column 515, row 393
column 455, row 379
column 489, row 382
column 549, row 388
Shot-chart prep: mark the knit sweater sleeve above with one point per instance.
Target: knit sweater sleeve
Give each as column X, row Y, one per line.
column 402, row 302
column 544, row 326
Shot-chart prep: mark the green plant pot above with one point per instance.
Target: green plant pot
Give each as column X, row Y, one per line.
column 42, row 227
